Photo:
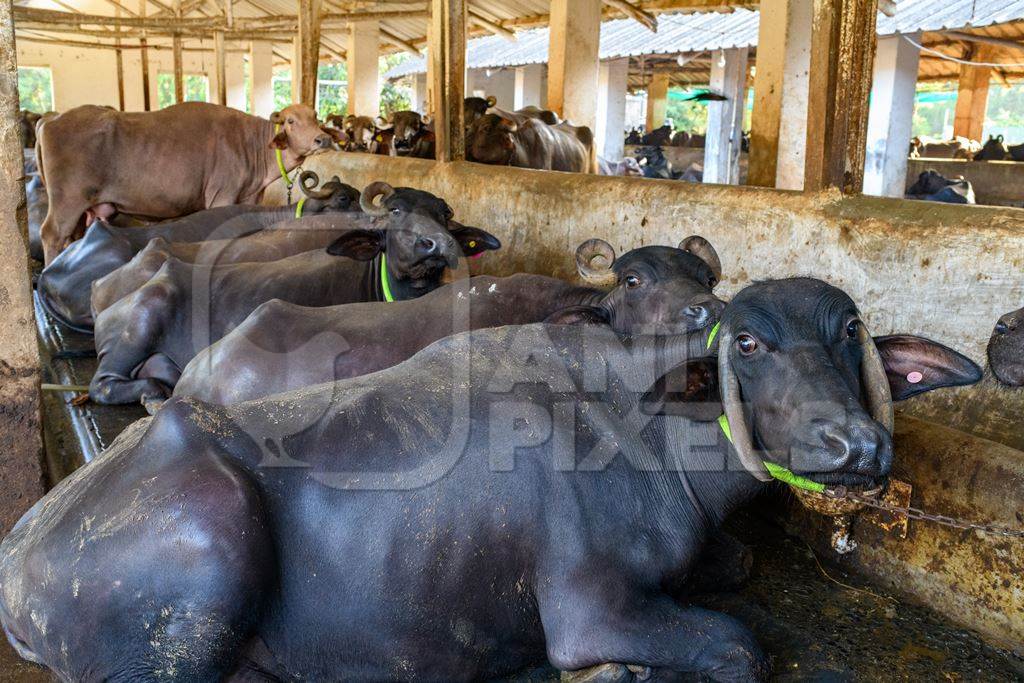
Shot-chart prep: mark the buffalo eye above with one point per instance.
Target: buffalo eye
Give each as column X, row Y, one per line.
column 853, row 328
column 396, row 211
column 632, row 281
column 746, row 344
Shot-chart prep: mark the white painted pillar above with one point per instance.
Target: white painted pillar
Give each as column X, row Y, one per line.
column 611, row 108
column 789, row 173
column 575, row 30
column 528, row 92
column 891, row 117
column 235, row 77
column 261, row 69
column 420, row 99
column 363, row 70
column 725, row 119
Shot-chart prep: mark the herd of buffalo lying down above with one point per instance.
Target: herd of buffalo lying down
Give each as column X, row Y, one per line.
column 363, row 465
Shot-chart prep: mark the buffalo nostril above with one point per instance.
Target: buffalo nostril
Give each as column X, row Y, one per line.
column 1002, row 328
column 427, row 245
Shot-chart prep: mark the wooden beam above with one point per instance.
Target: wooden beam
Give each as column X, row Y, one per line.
column 93, row 45
column 309, row 49
column 21, row 455
column 146, row 104
column 479, row 20
column 119, row 61
column 635, row 13
column 399, row 42
column 179, row 66
column 768, row 90
column 987, row 40
column 447, row 52
column 972, row 94
column 221, row 67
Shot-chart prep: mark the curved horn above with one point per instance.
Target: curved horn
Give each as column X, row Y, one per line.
column 372, row 191
column 492, row 100
column 732, row 405
column 586, row 253
column 308, row 180
column 875, row 381
column 702, row 249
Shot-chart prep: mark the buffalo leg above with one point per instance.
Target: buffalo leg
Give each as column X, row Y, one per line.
column 649, row 634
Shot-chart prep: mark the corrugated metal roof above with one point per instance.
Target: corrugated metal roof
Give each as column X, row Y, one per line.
column 699, row 32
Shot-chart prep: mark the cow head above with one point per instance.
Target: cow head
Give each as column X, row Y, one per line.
column 475, row 107
column 416, row 231
column 299, row 130
column 332, row 196
column 1006, row 349
column 661, row 287
column 804, row 385
column 407, row 127
column 359, row 130
column 490, row 140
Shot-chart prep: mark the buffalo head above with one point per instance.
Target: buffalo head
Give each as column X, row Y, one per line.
column 651, row 287
column 475, row 107
column 333, row 195
column 802, row 383
column 1006, row 349
column 299, row 130
column 416, row 231
column 490, row 140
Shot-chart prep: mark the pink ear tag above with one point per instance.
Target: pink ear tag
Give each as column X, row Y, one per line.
column 914, row 377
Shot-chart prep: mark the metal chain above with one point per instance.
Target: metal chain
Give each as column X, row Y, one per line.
column 921, row 515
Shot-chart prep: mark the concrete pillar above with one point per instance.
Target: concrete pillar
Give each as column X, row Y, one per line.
column 420, row 96
column 972, row 95
column 725, row 119
column 21, row 451
column 575, row 35
column 235, row 75
column 891, row 117
column 363, row 69
column 447, row 59
column 261, row 70
column 528, row 92
column 611, row 108
column 657, row 100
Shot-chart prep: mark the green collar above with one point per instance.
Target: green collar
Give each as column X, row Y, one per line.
column 777, row 471
column 298, row 208
column 384, row 284
column 280, row 161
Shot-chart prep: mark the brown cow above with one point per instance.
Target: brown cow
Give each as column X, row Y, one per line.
column 531, row 143
column 164, row 164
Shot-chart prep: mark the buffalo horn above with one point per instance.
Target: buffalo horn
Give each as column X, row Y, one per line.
column 732, row 405
column 585, row 254
column 308, row 181
column 372, row 191
column 875, row 381
column 702, row 249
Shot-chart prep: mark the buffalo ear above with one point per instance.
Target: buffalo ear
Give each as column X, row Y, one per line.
column 279, row 141
column 361, row 245
column 688, row 390
column 915, row 365
column 579, row 315
column 474, row 240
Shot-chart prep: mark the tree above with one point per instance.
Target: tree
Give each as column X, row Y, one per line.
column 35, row 88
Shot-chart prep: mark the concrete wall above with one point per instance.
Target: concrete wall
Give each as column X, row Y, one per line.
column 1000, row 183
column 501, row 84
column 943, row 271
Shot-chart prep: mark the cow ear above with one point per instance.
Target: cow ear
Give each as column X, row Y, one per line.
column 688, row 390
column 361, row 245
column 474, row 240
column 579, row 315
column 279, row 141
column 277, row 118
column 336, row 135
column 915, row 365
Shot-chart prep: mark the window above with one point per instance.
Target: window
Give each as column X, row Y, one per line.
column 197, row 89
column 282, row 89
column 35, row 88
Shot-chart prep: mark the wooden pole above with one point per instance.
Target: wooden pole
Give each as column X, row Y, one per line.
column 220, row 58
column 21, row 450
column 119, row 58
column 309, row 49
column 972, row 94
column 179, row 66
column 768, row 90
column 144, row 54
column 447, row 52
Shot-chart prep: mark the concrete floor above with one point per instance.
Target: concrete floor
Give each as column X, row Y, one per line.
column 814, row 627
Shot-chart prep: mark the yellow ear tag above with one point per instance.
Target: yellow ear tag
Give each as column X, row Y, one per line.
column 472, row 244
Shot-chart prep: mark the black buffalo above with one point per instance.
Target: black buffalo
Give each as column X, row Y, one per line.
column 64, row 286
column 506, row 495
column 934, row 187
column 994, row 149
column 282, row 346
column 145, row 339
column 1006, row 349
column 475, row 107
